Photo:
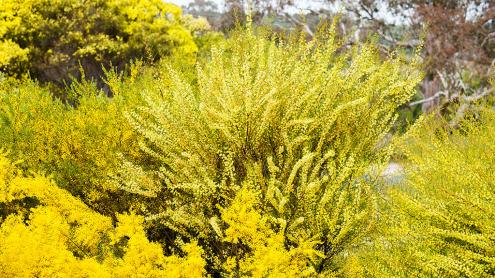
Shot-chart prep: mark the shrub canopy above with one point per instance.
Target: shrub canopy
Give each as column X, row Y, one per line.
column 297, row 124
column 52, row 39
column 439, row 221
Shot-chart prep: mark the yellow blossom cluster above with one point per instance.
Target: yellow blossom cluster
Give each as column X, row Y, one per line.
column 46, row 232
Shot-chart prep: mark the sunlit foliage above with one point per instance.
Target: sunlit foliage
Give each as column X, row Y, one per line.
column 440, row 221
column 301, row 123
column 262, row 159
column 51, row 38
column 46, row 232
column 79, row 145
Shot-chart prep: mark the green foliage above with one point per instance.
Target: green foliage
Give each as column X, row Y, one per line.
column 299, row 124
column 261, row 160
column 203, row 36
column 52, row 38
column 78, row 146
column 440, row 222
column 60, row 236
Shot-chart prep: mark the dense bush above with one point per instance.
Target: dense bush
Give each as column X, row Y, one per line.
column 440, row 221
column 261, row 160
column 267, row 153
column 51, row 39
column 47, row 232
column 80, row 145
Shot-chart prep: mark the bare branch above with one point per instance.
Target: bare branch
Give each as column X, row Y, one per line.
column 436, row 95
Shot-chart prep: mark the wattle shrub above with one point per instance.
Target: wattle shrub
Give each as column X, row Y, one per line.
column 439, row 222
column 268, row 157
column 52, row 39
column 46, row 232
column 78, row 146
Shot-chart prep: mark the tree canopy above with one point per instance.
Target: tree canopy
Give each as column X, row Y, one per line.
column 52, row 40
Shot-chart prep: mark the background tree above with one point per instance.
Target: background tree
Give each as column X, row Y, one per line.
column 52, row 39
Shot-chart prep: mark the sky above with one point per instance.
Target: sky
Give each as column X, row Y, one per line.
column 186, row 2
column 304, row 5
column 301, row 4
